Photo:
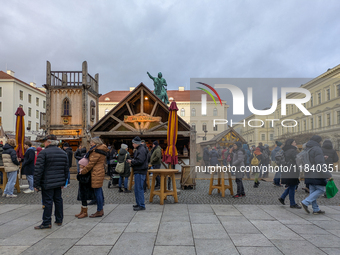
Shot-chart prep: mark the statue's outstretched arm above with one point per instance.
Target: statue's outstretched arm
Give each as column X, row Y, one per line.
column 152, row 78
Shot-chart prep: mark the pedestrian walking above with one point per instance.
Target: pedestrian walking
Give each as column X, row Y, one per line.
column 317, row 180
column 27, row 167
column 85, row 191
column 156, row 160
column 140, row 168
column 69, row 152
column 277, row 176
column 123, row 156
column 50, row 175
column 97, row 159
column 11, row 165
column 238, row 161
column 290, row 177
column 79, row 154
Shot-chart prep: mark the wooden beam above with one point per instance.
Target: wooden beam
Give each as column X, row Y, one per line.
column 161, row 125
column 154, row 109
column 128, row 106
column 116, row 127
column 122, row 123
column 141, row 101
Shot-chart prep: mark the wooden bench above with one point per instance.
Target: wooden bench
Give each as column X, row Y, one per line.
column 163, row 192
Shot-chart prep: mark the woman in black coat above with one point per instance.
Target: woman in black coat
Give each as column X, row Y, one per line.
column 27, row 167
column 124, row 177
column 290, row 173
column 329, row 153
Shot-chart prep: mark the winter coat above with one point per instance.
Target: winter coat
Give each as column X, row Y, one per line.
column 291, row 177
column 1, row 150
column 248, row 154
column 9, row 156
column 206, row 156
column 112, row 154
column 213, row 157
column 97, row 160
column 327, row 149
column 51, row 169
column 27, row 166
column 238, row 161
column 69, row 153
column 156, row 156
column 121, row 158
column 276, row 150
column 316, row 157
column 140, row 160
column 149, row 153
column 79, row 154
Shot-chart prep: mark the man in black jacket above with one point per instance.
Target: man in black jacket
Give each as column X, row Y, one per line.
column 69, row 152
column 140, row 168
column 50, row 175
column 317, row 180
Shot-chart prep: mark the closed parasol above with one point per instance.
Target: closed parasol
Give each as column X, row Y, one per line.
column 171, row 155
column 20, row 132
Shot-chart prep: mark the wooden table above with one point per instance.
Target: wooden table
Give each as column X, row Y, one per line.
column 4, row 180
column 221, row 187
column 132, row 182
column 163, row 192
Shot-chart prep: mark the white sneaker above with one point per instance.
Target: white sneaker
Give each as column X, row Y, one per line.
column 28, row 191
column 11, row 195
column 3, row 194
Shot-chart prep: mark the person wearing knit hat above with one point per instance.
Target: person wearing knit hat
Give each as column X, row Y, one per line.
column 156, row 160
column 277, row 177
column 85, row 191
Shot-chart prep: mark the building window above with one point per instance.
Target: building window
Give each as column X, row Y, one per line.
column 298, row 126
column 29, row 125
column 215, row 112
column 271, row 137
column 304, row 125
column 37, row 101
column 66, row 107
column 0, row 91
column 193, row 112
column 29, row 112
column 93, row 110
column 328, row 120
column 193, row 126
column 319, row 98
column 204, row 138
column 204, row 127
column 311, row 101
column 37, row 114
column 21, row 95
column 29, row 98
column 37, row 126
column 328, row 94
column 311, row 124
column 292, row 108
column 215, row 128
column 44, row 104
column 319, row 120
column 182, row 112
column 338, row 90
column 106, row 111
column 338, row 116
column 263, row 137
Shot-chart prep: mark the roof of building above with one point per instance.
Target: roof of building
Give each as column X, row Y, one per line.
column 178, row 96
column 6, row 76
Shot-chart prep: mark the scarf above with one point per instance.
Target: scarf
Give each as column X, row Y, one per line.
column 87, row 155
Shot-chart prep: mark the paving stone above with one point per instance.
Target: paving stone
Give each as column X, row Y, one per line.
column 215, row 247
column 15, row 226
column 12, row 250
column 253, row 212
column 307, row 229
column 8, row 207
column 331, row 251
column 175, row 218
column 174, row 233
column 170, row 250
column 200, row 209
column 275, row 230
column 323, row 241
column 81, row 250
column 203, row 218
column 103, row 234
column 225, row 210
column 328, row 224
column 250, row 240
column 121, row 214
column 297, row 247
column 143, row 216
column 134, row 243
column 53, row 246
column 74, row 229
column 259, row 250
column 209, row 231
column 240, row 227
column 150, row 227
column 178, row 209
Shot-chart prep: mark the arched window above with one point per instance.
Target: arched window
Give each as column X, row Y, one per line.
column 215, row 112
column 193, row 112
column 92, row 110
column 182, row 112
column 66, row 107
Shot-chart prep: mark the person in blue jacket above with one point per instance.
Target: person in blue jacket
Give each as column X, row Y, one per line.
column 27, row 167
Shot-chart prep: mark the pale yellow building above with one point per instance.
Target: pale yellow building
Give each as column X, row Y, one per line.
column 189, row 108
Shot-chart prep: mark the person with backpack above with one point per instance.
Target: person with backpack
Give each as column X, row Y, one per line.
column 317, row 180
column 330, row 155
column 247, row 157
column 123, row 155
column 276, row 180
column 11, row 165
column 265, row 160
column 256, row 160
column 238, row 162
column 291, row 176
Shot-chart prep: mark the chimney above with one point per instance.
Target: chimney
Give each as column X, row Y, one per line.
column 33, row 84
column 132, row 88
column 180, row 88
column 10, row 72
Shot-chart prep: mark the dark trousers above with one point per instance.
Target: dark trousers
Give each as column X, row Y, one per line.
column 158, row 179
column 50, row 196
column 291, row 192
column 240, row 188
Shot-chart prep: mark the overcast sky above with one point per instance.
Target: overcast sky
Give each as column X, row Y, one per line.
column 122, row 40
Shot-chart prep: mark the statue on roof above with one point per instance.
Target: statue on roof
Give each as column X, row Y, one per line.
column 160, row 87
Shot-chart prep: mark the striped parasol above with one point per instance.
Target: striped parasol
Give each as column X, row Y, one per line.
column 20, row 132
column 171, row 155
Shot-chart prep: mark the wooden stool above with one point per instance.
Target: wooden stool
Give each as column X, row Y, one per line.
column 163, row 192
column 4, row 181
column 132, row 182
column 221, row 187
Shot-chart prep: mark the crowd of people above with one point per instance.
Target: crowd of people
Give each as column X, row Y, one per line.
column 48, row 170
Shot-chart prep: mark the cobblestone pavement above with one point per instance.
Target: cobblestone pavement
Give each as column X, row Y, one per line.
column 266, row 194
